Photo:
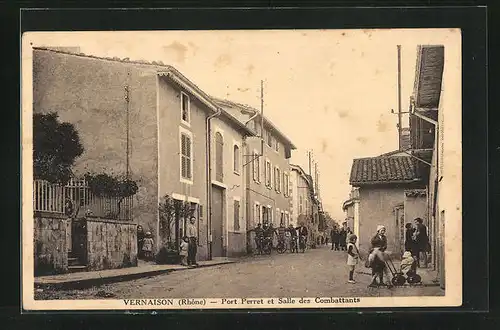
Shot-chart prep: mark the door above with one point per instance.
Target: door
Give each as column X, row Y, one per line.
column 400, row 227
column 79, row 240
column 217, row 221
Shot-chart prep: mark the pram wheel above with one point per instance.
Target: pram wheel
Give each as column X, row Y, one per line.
column 398, row 280
column 414, row 279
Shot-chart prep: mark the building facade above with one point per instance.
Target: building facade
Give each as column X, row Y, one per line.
column 266, row 165
column 305, row 205
column 381, row 195
column 436, row 140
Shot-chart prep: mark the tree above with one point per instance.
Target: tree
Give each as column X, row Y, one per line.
column 105, row 185
column 171, row 211
column 56, row 146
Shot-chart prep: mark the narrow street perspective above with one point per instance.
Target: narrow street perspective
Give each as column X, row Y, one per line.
column 285, row 169
column 287, row 275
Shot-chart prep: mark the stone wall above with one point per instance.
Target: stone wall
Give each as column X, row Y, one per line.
column 111, row 244
column 50, row 248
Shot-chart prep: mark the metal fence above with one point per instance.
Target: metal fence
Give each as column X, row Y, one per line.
column 50, row 197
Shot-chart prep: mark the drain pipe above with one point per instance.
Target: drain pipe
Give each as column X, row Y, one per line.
column 209, row 181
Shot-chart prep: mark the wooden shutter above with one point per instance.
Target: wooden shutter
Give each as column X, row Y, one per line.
column 219, row 157
column 236, row 215
column 186, row 156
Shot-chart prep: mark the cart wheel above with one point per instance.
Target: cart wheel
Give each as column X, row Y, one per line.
column 398, row 280
column 414, row 279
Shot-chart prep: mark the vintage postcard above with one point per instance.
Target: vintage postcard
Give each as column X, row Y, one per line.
column 241, row 169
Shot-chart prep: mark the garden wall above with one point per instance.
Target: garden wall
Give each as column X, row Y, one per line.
column 50, row 248
column 111, row 244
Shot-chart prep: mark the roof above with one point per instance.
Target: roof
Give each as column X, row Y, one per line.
column 395, row 152
column 383, row 170
column 162, row 70
column 428, row 76
column 252, row 111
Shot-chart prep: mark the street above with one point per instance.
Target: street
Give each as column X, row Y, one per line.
column 318, row 272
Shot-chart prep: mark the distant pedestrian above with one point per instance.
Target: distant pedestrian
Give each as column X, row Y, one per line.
column 183, row 251
column 343, row 237
column 352, row 257
column 140, row 241
column 193, row 242
column 335, row 238
column 147, row 246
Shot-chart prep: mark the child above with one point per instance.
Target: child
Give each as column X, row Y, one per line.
column 407, row 264
column 352, row 256
column 184, row 250
column 147, row 246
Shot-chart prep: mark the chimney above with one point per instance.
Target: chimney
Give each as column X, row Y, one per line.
column 405, row 138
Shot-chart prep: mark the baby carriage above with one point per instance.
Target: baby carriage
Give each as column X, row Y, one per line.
column 398, row 277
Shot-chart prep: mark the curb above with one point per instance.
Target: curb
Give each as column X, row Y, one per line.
column 98, row 281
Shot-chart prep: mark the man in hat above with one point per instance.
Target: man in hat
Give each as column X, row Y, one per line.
column 192, row 237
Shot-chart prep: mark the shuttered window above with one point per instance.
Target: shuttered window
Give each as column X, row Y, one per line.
column 286, row 185
column 236, row 159
column 268, row 174
column 256, row 167
column 186, row 157
column 219, row 157
column 277, row 179
column 236, row 215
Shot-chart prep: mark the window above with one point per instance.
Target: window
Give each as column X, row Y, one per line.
column 278, row 215
column 200, row 210
column 256, row 167
column 236, row 215
column 277, row 146
column 268, row 174
column 265, row 214
column 185, row 108
column 257, row 213
column 286, row 184
column 236, row 159
column 282, row 218
column 186, row 157
column 277, row 180
column 269, row 139
column 219, row 157
column 300, row 204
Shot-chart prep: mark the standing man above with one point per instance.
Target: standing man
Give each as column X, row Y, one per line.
column 421, row 240
column 192, row 236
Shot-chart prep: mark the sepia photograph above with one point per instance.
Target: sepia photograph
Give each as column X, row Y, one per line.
column 241, row 169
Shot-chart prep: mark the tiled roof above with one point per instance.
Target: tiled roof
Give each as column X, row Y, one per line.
column 429, row 75
column 383, row 170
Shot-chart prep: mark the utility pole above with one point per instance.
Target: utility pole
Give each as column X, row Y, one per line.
column 399, row 97
column 127, row 99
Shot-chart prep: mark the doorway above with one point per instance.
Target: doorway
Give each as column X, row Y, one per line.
column 399, row 214
column 218, row 216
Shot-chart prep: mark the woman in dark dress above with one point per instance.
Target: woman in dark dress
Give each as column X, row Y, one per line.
column 140, row 240
column 378, row 257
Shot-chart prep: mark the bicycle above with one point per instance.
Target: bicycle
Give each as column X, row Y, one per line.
column 302, row 243
column 281, row 248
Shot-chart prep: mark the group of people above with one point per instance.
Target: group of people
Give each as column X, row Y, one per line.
column 187, row 248
column 416, row 241
column 287, row 236
column 340, row 237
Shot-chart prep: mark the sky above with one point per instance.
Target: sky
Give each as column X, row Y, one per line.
column 329, row 91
